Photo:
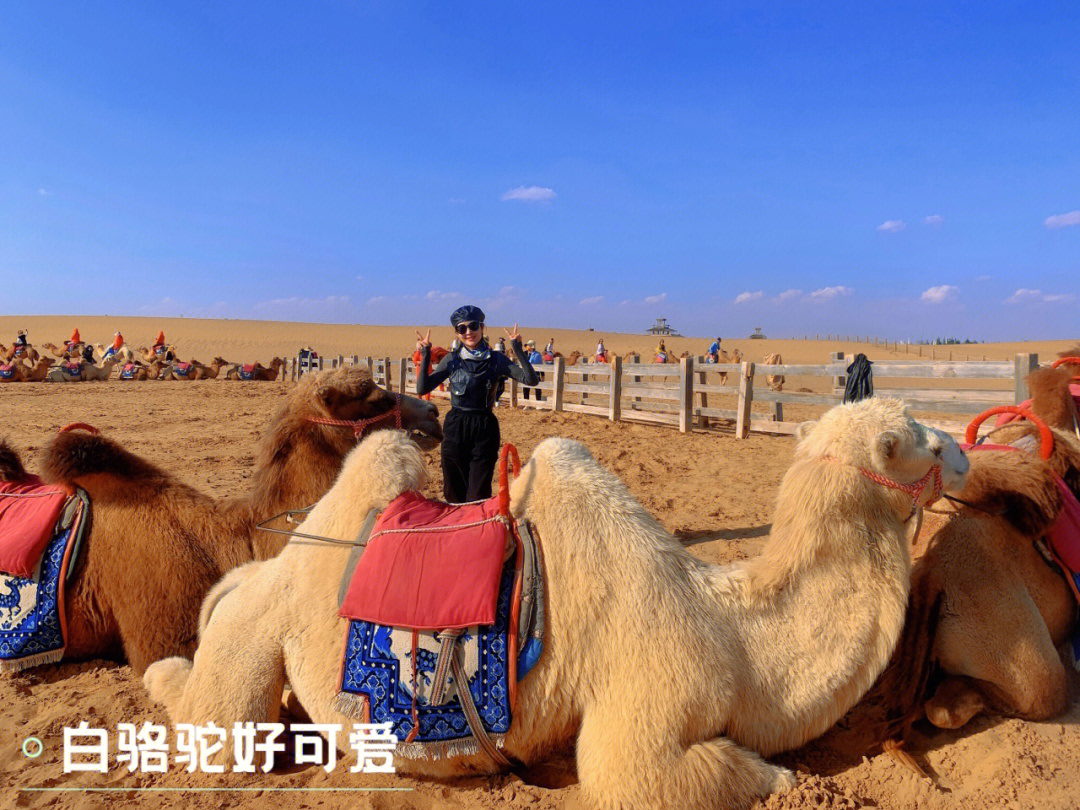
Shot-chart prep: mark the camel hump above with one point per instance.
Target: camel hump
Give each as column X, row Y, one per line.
column 11, row 468
column 76, row 454
column 1018, row 485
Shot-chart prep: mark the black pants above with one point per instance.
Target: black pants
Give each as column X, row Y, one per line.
column 537, row 390
column 470, row 449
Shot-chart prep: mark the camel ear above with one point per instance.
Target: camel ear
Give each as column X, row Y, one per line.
column 329, row 396
column 886, row 445
column 804, row 430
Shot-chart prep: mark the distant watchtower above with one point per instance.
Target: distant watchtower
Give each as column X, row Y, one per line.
column 757, row 334
column 661, row 327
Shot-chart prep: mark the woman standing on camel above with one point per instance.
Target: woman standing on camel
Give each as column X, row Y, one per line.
column 471, row 437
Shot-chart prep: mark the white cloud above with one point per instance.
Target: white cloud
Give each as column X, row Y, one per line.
column 596, row 299
column 529, row 194
column 305, row 303
column 934, row 220
column 742, row 298
column 1029, row 296
column 439, row 295
column 656, row 299
column 1063, row 220
column 42, row 192
column 938, row 295
column 787, row 295
column 829, row 293
column 376, row 299
column 892, row 226
column 983, row 277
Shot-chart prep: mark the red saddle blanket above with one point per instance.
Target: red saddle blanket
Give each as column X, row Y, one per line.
column 249, row 368
column 29, row 510
column 430, row 565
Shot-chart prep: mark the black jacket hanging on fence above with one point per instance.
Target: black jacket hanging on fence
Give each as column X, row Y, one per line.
column 860, row 380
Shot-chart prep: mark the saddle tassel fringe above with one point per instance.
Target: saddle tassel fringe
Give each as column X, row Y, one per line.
column 19, row 664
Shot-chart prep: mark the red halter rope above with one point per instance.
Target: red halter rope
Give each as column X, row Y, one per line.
column 360, row 425
column 79, row 426
column 1063, row 360
column 1046, row 448
column 915, row 490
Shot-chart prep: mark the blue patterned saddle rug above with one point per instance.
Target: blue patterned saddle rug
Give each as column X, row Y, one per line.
column 410, row 678
column 33, row 629
column 7, row 371
column 129, row 371
column 247, row 371
column 183, row 369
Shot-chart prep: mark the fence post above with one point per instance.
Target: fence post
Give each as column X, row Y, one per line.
column 1024, row 365
column 615, row 391
column 703, row 420
column 355, row 360
column 340, row 361
column 557, row 381
column 320, row 362
column 636, row 379
column 746, row 399
column 403, row 374
column 584, row 394
column 386, row 372
column 840, row 380
column 686, row 394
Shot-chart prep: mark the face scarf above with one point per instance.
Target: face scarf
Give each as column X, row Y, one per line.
column 480, row 354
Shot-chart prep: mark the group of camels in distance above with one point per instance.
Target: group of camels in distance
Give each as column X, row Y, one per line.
column 85, row 362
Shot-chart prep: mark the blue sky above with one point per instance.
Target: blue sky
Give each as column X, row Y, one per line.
column 904, row 170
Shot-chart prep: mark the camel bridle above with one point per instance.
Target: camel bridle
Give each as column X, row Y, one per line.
column 915, row 490
column 360, row 425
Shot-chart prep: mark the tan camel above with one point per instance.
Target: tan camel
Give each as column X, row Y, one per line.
column 1005, row 610
column 142, row 371
column 196, row 370
column 675, row 676
column 64, row 353
column 157, row 545
column 95, row 371
column 28, row 354
column 70, row 371
column 149, row 355
column 123, row 355
column 775, row 381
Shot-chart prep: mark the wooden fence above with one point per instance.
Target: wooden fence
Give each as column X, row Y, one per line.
column 687, row 394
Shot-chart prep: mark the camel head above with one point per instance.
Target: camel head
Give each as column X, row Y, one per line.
column 350, row 393
column 878, row 435
column 219, row 362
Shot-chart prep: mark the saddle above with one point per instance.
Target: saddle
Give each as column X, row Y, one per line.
column 41, row 530
column 183, row 369
column 129, row 371
column 437, row 595
column 247, row 371
column 71, row 369
column 7, row 371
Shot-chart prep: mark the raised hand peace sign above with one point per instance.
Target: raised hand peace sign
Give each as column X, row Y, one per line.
column 512, row 334
column 425, row 340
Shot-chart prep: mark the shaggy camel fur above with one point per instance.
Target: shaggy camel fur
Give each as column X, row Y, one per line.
column 675, row 676
column 156, row 545
column 1004, row 609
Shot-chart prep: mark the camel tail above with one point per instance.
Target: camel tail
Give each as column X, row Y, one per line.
column 904, row 687
column 165, row 681
column 226, row 585
column 11, row 468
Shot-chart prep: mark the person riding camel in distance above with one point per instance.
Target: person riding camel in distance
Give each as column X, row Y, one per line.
column 471, row 437
column 117, row 345
column 601, row 352
column 75, row 340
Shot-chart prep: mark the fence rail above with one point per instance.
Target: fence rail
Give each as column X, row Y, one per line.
column 678, row 394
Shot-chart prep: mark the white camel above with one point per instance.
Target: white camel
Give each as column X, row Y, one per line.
column 675, row 676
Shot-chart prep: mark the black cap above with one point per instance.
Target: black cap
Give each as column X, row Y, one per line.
column 466, row 313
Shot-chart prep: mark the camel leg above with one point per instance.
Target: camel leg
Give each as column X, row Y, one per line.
column 238, row 673
column 955, row 702
column 621, row 766
column 1012, row 659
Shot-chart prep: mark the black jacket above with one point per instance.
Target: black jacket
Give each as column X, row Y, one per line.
column 474, row 383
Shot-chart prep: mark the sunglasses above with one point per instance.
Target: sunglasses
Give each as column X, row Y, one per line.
column 468, row 326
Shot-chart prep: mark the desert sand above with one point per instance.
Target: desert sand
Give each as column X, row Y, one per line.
column 714, row 492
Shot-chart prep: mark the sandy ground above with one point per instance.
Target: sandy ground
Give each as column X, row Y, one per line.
column 715, row 493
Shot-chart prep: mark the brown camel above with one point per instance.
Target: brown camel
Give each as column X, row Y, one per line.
column 142, row 371
column 1003, row 608
column 156, row 544
column 26, row 354
column 149, row 355
column 64, row 353
column 571, row 359
column 21, row 372
column 195, row 370
column 259, row 372
column 775, row 381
